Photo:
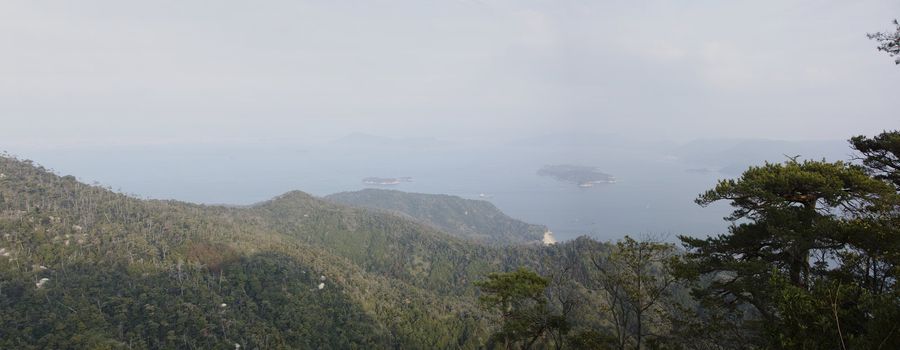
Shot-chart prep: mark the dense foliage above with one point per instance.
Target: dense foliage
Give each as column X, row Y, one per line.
column 518, row 297
column 108, row 258
column 85, row 266
column 811, row 260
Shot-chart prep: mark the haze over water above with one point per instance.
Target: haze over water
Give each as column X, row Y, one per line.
column 239, row 102
column 654, row 193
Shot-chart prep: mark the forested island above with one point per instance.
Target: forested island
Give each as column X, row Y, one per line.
column 583, row 176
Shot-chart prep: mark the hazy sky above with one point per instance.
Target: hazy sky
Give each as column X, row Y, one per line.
column 99, row 73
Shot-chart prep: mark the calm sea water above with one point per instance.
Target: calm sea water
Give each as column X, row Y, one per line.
column 654, row 193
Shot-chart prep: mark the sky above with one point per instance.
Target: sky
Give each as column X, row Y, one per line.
column 97, row 74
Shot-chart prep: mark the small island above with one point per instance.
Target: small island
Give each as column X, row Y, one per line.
column 386, row 181
column 583, row 176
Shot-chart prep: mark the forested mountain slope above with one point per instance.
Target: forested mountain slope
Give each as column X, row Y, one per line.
column 82, row 266
column 474, row 220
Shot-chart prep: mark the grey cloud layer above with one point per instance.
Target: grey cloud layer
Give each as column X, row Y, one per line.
column 112, row 72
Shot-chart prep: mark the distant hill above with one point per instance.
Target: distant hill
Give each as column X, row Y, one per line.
column 474, row 220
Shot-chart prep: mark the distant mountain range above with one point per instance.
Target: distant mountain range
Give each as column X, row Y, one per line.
column 733, row 156
column 363, row 140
